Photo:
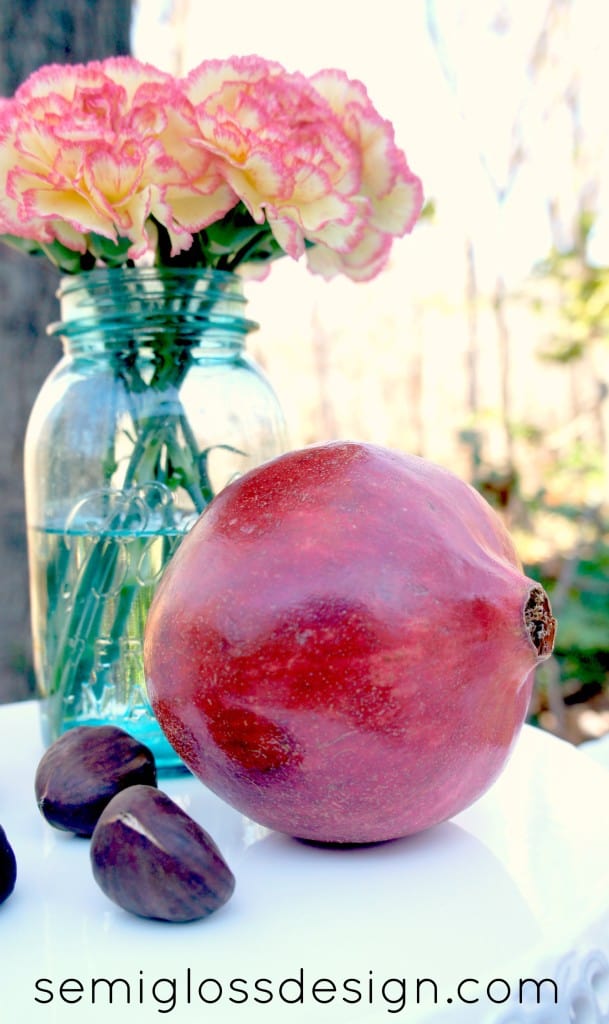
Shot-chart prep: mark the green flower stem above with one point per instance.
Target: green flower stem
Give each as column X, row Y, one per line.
column 74, row 656
column 125, row 604
column 156, row 432
column 164, row 450
column 76, row 647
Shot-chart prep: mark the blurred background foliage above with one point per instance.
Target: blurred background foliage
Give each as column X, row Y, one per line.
column 568, row 501
column 485, row 345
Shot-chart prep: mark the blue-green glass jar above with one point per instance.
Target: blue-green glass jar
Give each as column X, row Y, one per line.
column 154, row 407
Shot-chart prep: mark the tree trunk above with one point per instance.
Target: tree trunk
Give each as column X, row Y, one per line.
column 33, row 32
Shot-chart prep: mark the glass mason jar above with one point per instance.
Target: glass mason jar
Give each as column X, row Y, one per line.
column 154, row 407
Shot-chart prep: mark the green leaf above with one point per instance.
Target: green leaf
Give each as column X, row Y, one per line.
column 67, row 260
column 204, row 480
column 26, row 245
column 113, row 254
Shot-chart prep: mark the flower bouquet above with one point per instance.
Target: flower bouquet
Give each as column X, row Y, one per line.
column 235, row 164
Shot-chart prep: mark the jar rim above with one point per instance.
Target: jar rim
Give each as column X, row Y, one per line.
column 95, row 295
column 100, row 276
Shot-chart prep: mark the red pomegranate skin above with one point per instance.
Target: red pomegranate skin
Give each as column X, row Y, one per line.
column 343, row 646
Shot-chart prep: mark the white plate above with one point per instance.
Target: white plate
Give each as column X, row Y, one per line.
column 516, row 883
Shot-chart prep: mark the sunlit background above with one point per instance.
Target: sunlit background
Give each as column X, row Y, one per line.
column 500, row 112
column 484, row 344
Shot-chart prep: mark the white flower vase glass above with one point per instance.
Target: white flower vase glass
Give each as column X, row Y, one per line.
column 154, row 407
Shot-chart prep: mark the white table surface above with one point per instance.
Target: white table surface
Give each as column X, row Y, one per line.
column 516, row 886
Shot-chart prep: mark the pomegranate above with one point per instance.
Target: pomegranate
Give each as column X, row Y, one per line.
column 343, row 647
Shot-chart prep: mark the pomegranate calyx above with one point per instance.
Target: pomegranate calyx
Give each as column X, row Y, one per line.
column 539, row 622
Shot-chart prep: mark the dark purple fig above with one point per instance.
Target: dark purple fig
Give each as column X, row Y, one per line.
column 8, row 867
column 83, row 769
column 154, row 860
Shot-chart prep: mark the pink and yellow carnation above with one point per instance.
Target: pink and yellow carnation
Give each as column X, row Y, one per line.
column 282, row 149
column 311, row 157
column 95, row 149
column 390, row 196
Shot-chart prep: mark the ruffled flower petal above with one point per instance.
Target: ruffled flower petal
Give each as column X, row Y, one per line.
column 362, row 263
column 195, row 211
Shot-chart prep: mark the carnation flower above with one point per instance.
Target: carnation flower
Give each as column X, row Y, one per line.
column 390, row 196
column 282, row 149
column 93, row 150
